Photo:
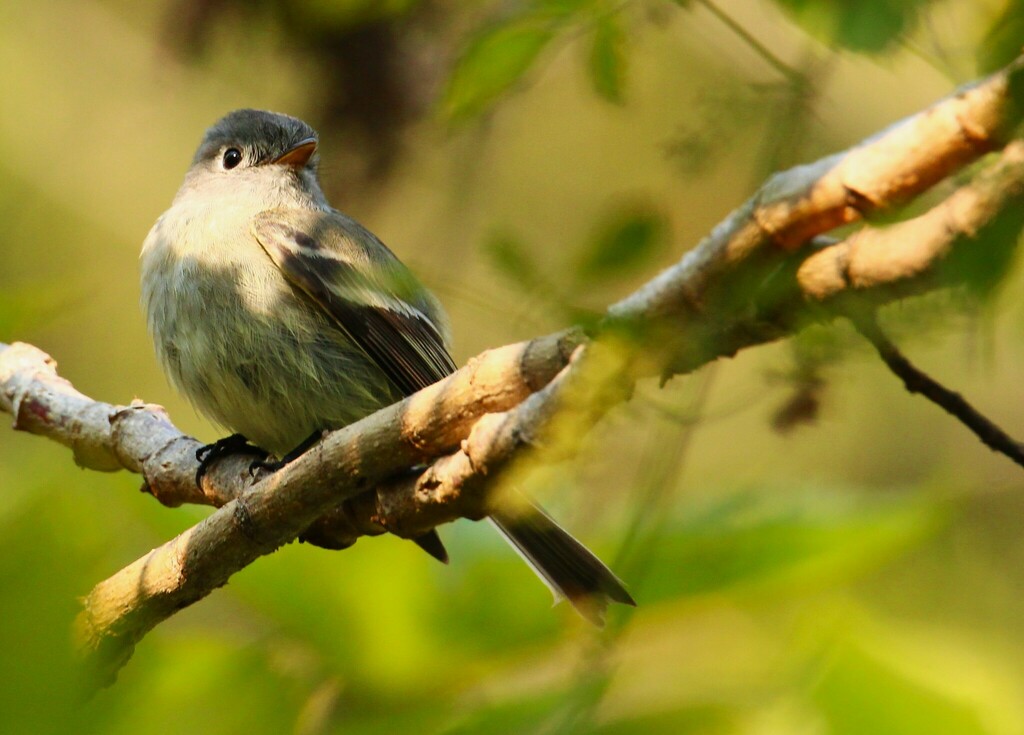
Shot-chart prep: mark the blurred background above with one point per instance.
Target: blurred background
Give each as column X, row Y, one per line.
column 813, row 550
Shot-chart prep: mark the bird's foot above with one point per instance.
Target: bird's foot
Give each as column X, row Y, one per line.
column 265, row 465
column 209, row 454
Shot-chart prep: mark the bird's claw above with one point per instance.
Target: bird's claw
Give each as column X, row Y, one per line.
column 210, row 453
column 265, row 466
column 271, row 467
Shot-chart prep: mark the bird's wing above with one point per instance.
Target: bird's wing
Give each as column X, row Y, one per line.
column 364, row 290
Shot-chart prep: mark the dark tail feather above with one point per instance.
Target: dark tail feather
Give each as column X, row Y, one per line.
column 431, row 543
column 565, row 565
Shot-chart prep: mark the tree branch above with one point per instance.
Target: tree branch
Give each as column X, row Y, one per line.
column 142, row 439
column 759, row 275
column 794, row 206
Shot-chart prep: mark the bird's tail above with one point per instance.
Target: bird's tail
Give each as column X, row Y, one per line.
column 565, row 565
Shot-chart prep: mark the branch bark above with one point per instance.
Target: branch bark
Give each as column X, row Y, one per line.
column 759, row 276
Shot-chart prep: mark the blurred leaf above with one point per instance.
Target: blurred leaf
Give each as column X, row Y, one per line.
column 45, row 564
column 495, row 598
column 981, row 268
column 607, row 58
column 859, row 25
column 801, row 407
column 508, row 255
column 376, row 584
column 186, row 669
column 494, row 60
column 534, row 714
column 519, row 714
column 564, row 7
column 628, row 239
column 1004, row 38
column 860, row 693
column 348, row 13
column 721, row 111
column 812, row 351
column 707, row 719
column 763, row 539
column 817, row 347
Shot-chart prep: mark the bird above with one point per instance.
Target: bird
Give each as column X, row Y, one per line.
column 280, row 318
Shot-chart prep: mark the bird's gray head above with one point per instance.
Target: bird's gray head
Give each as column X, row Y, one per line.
column 246, row 147
column 245, row 138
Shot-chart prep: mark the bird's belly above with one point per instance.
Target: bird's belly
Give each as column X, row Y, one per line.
column 255, row 356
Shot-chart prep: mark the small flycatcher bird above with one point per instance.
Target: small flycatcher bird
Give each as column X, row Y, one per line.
column 279, row 317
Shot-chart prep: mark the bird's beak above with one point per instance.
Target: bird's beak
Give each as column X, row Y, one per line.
column 299, row 155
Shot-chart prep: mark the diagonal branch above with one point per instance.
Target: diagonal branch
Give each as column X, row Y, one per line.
column 756, row 278
column 142, row 439
column 792, row 207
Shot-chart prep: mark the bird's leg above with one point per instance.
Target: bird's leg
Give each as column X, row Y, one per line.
column 210, row 453
column 264, row 464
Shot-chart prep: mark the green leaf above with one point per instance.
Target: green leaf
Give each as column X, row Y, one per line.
column 564, row 8
column 859, row 25
column 607, row 58
column 492, row 62
column 1003, row 41
column 626, row 241
column 767, row 541
column 981, row 269
column 863, row 692
column 509, row 257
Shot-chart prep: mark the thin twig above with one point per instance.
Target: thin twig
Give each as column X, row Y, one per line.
column 793, row 75
column 917, row 381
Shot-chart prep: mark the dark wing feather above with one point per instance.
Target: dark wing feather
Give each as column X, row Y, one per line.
column 331, row 261
column 407, row 348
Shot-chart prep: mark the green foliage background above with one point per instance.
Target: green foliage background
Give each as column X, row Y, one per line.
column 861, row 573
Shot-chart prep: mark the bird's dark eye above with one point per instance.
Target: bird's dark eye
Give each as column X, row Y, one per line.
column 232, row 157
